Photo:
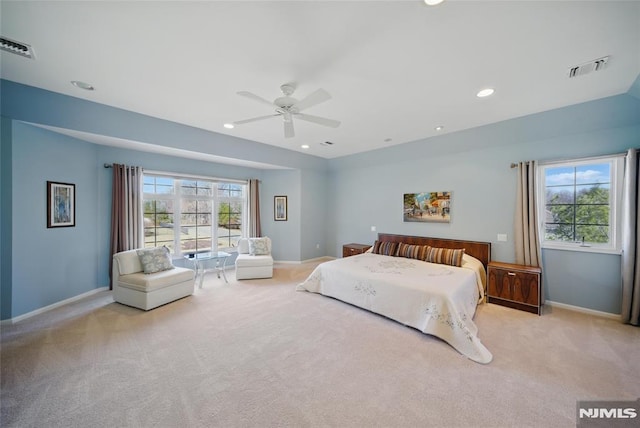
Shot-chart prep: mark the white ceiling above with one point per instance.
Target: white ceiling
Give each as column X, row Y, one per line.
column 395, row 69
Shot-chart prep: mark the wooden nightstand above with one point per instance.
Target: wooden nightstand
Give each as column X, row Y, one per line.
column 353, row 249
column 515, row 286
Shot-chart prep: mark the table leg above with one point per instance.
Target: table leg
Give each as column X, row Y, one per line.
column 201, row 270
column 224, row 271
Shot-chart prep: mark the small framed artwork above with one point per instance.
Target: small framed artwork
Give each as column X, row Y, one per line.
column 427, row 207
column 61, row 204
column 280, row 208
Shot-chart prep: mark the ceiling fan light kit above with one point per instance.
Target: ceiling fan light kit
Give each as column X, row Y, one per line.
column 289, row 107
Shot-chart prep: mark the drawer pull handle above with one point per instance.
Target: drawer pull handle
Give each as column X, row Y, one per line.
column 511, row 274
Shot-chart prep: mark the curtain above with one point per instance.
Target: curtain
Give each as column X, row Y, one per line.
column 254, row 209
column 126, row 210
column 527, row 238
column 630, row 250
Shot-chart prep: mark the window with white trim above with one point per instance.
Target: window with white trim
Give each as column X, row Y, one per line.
column 579, row 204
column 191, row 215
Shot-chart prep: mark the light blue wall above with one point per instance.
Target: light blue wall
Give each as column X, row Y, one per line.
column 314, row 211
column 475, row 166
column 5, row 217
column 285, row 235
column 52, row 264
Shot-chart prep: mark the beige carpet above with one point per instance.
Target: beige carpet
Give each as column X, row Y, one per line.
column 259, row 354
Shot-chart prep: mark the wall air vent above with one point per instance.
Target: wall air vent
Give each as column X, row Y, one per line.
column 17, row 48
column 588, row 67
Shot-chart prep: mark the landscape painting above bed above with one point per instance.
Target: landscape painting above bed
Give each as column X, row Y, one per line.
column 431, row 284
column 427, row 207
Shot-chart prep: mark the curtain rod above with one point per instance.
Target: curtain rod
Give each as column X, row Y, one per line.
column 515, row 165
column 192, row 176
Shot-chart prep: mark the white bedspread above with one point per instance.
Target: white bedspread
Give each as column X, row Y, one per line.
column 436, row 299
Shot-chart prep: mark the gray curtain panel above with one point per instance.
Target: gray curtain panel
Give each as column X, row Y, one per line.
column 630, row 250
column 126, row 210
column 254, row 209
column 527, row 238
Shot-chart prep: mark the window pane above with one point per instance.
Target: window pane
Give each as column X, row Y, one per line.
column 188, row 220
column 560, row 213
column 592, row 214
column 188, row 187
column 592, row 194
column 559, row 176
column 560, row 195
column 204, row 206
column 559, row 232
column 593, row 174
column 592, row 234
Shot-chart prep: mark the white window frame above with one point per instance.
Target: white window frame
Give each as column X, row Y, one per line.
column 176, row 197
column 615, row 209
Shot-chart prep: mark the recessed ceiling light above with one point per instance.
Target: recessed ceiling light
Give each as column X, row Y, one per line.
column 228, row 125
column 485, row 93
column 82, row 85
column 439, row 128
column 305, row 146
column 432, row 2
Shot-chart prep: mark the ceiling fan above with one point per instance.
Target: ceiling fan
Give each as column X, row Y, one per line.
column 288, row 107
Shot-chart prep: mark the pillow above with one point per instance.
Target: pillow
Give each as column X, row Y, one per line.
column 418, row 252
column 445, row 256
column 385, row 248
column 155, row 259
column 258, row 246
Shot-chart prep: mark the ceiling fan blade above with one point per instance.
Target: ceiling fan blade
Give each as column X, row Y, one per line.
column 288, row 129
column 254, row 119
column 312, row 99
column 255, row 97
column 319, row 120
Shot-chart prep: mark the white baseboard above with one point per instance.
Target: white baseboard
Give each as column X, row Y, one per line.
column 53, row 306
column 294, row 262
column 616, row 317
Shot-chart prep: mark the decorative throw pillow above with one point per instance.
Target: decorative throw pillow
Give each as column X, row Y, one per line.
column 385, row 248
column 155, row 259
column 258, row 246
column 418, row 252
column 445, row 256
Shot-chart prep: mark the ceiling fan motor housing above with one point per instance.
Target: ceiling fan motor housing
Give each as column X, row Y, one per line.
column 285, row 102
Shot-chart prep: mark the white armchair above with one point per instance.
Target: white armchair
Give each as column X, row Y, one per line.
column 254, row 258
column 133, row 287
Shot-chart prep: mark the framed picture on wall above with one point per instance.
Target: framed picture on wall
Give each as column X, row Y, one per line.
column 427, row 207
column 61, row 204
column 280, row 208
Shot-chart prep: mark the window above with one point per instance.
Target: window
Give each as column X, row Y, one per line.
column 579, row 204
column 193, row 215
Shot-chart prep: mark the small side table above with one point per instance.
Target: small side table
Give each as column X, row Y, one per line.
column 353, row 249
column 515, row 286
column 199, row 259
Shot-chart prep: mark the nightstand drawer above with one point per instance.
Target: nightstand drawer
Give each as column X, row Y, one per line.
column 353, row 249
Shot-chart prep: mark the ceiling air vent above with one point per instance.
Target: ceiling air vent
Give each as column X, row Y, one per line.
column 588, row 67
column 17, row 48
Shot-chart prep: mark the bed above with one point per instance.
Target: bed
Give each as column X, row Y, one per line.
column 439, row 299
